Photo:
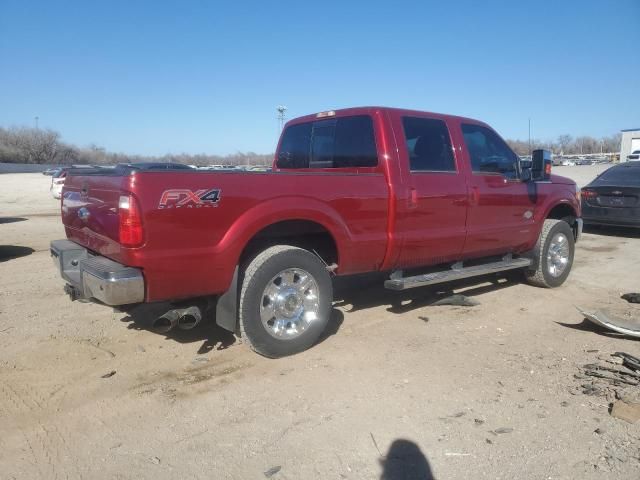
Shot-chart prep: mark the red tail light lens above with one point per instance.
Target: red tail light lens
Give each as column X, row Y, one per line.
column 547, row 169
column 586, row 194
column 131, row 231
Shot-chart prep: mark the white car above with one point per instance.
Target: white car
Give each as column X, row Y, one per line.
column 57, row 182
column 635, row 155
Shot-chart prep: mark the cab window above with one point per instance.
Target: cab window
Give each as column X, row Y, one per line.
column 488, row 152
column 428, row 144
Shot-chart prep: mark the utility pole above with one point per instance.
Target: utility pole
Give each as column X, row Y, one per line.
column 36, row 119
column 281, row 110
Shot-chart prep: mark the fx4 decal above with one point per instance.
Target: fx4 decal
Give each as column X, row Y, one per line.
column 183, row 198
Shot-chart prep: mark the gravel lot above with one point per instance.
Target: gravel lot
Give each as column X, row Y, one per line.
column 397, row 386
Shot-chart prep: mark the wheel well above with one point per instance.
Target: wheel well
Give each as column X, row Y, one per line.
column 565, row 212
column 299, row 233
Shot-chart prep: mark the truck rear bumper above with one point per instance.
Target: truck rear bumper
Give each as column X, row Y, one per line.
column 90, row 276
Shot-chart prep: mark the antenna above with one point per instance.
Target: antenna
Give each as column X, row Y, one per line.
column 281, row 109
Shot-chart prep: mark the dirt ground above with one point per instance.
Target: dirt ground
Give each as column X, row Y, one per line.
column 396, row 386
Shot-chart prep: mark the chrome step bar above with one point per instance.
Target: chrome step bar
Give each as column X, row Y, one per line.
column 457, row 272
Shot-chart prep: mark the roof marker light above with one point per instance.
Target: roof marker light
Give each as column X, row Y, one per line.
column 330, row 113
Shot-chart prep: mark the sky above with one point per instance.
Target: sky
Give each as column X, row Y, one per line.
column 156, row 77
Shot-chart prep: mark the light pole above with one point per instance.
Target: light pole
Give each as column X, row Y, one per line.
column 281, row 109
column 36, row 119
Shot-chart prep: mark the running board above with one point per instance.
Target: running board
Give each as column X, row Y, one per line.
column 456, row 272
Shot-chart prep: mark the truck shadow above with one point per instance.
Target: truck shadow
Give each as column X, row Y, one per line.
column 212, row 336
column 359, row 292
column 367, row 291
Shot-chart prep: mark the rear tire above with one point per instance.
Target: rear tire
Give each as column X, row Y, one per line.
column 285, row 301
column 552, row 256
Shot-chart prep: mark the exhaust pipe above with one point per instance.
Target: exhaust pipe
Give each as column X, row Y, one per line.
column 189, row 318
column 167, row 321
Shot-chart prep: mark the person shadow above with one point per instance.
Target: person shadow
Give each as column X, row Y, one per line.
column 405, row 461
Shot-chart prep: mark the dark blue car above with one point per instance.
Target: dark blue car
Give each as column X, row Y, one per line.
column 613, row 198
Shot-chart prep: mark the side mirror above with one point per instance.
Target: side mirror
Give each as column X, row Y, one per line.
column 541, row 165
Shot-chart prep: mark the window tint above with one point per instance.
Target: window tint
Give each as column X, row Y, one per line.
column 335, row 143
column 622, row 175
column 355, row 145
column 322, row 143
column 294, row 148
column 428, row 144
column 488, row 152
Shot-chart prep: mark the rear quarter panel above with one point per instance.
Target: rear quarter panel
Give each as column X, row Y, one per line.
column 194, row 251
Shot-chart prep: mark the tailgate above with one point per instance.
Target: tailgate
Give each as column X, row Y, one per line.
column 90, row 211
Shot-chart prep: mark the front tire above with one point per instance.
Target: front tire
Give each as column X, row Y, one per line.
column 285, row 301
column 552, row 256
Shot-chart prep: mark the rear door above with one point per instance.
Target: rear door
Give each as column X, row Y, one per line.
column 432, row 223
column 500, row 217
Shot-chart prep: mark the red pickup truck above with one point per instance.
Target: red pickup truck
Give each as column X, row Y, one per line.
column 426, row 197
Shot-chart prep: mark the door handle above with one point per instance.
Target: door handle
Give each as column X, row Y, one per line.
column 413, row 198
column 474, row 196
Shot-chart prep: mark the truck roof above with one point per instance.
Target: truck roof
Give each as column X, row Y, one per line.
column 367, row 110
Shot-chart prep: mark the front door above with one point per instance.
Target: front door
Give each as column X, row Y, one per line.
column 496, row 223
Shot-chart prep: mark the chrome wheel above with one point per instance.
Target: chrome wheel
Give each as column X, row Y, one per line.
column 290, row 303
column 558, row 255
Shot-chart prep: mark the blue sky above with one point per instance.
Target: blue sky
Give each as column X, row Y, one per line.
column 157, row 77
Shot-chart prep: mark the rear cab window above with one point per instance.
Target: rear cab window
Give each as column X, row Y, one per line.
column 335, row 143
column 489, row 154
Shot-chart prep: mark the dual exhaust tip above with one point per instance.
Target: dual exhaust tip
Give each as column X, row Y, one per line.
column 183, row 318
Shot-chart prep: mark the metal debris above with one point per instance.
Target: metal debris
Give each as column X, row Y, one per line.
column 631, row 297
column 626, row 410
column 272, row 471
column 620, row 325
column 502, row 430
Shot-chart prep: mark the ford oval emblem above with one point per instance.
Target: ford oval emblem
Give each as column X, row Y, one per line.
column 83, row 214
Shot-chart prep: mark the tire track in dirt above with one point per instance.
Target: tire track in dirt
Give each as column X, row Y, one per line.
column 46, row 444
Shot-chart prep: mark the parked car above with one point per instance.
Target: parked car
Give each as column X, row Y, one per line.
column 635, row 155
column 424, row 197
column 60, row 174
column 49, row 171
column 57, row 181
column 613, row 198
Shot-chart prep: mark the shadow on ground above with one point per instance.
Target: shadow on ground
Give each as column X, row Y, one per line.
column 11, row 219
column 367, row 291
column 10, row 252
column 405, row 461
column 353, row 293
column 208, row 332
column 612, row 231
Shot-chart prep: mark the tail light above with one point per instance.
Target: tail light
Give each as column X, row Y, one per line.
column 588, row 194
column 131, row 231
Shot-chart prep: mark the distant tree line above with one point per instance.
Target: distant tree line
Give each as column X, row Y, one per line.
column 31, row 145
column 568, row 145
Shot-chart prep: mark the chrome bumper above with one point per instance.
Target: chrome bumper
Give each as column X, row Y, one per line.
column 90, row 276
